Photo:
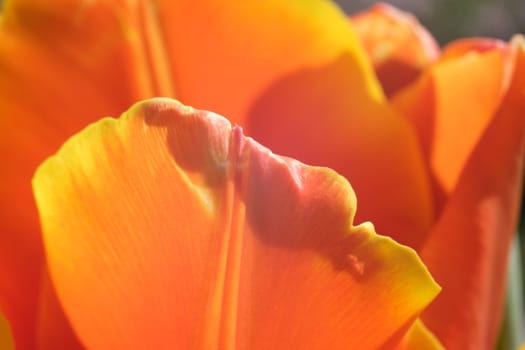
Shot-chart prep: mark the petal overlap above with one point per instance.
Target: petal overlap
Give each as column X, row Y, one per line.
column 451, row 106
column 419, row 337
column 104, row 55
column 191, row 234
column 398, row 46
column 6, row 338
column 468, row 247
column 358, row 135
column 463, row 107
column 96, row 58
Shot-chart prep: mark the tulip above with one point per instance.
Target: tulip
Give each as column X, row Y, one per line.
column 436, row 166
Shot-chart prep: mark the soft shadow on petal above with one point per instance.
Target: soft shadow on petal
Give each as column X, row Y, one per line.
column 325, row 116
column 184, row 233
column 396, row 43
column 468, row 247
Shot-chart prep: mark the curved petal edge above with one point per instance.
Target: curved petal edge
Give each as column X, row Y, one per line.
column 187, row 233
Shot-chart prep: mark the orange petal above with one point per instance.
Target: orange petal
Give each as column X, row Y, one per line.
column 467, row 250
column 419, row 337
column 398, row 46
column 20, row 271
column 169, row 228
column 462, row 47
column 53, row 330
column 63, row 64
column 6, row 338
column 451, row 107
column 95, row 58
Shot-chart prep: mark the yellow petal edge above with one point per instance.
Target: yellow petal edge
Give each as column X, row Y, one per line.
column 75, row 163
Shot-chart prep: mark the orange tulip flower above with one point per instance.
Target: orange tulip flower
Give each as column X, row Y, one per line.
column 294, row 75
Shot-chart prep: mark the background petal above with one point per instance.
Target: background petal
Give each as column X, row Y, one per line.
column 397, row 44
column 467, row 249
column 451, row 106
column 186, row 233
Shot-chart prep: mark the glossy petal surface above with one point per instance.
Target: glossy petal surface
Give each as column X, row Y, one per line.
column 188, row 234
column 396, row 43
column 467, row 249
